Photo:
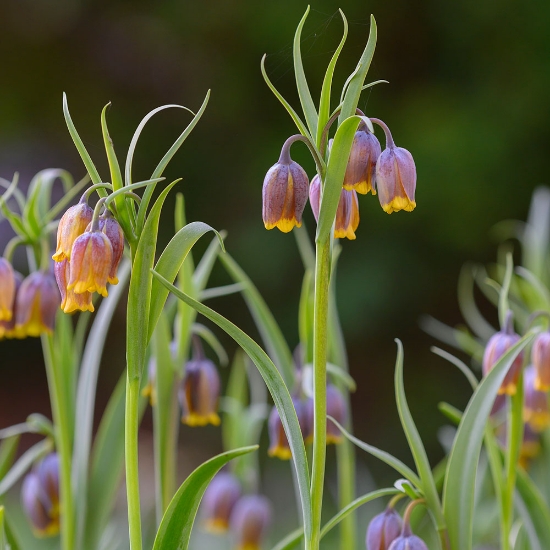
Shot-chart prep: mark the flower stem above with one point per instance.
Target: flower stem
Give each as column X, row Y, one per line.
column 322, row 278
column 131, row 451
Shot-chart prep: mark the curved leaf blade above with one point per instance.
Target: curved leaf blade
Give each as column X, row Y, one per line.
column 175, row 529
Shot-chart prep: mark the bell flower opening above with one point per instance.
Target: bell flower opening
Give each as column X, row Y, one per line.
column 361, row 168
column 70, row 301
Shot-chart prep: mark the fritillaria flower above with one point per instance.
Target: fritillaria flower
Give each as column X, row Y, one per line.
column 496, row 347
column 541, row 360
column 40, row 496
column 336, row 407
column 278, row 442
column 407, row 540
column 70, row 301
column 284, row 193
column 7, row 290
column 535, row 405
column 249, row 521
column 7, row 328
column 383, row 529
column 36, row 304
column 219, row 500
column 72, row 224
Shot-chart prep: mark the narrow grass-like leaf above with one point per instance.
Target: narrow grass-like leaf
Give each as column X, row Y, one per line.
column 340, row 375
column 271, row 334
column 503, row 303
column 452, row 413
column 8, row 451
column 301, row 82
column 470, row 376
column 88, row 163
column 170, row 262
column 210, row 338
column 277, row 388
column 218, row 291
column 204, row 267
column 175, row 529
column 542, row 295
column 415, row 443
column 299, row 124
column 291, row 540
column 336, row 169
column 324, row 102
column 355, row 85
column 389, row 459
column 305, row 317
column 458, row 495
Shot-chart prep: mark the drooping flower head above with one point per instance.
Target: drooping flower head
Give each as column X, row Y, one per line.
column 278, row 442
column 407, row 540
column 219, row 500
column 541, row 361
column 91, row 262
column 7, row 290
column 496, row 347
column 37, row 302
column 284, row 193
column 337, row 408
column 395, row 176
column 361, row 168
column 40, row 496
column 535, row 404
column 383, row 530
column 199, row 391
column 70, row 301
column 72, row 224
column 7, row 328
column 250, row 521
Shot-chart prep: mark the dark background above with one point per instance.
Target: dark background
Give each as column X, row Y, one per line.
column 468, row 96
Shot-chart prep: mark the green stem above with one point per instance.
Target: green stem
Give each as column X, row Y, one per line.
column 60, row 414
column 131, row 453
column 322, row 279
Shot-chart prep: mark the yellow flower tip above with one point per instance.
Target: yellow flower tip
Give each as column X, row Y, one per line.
column 285, row 225
column 112, row 280
column 5, row 314
column 363, row 188
column 540, row 385
column 284, row 453
column 199, row 420
column 399, row 203
column 538, row 420
column 508, row 389
column 333, row 439
column 216, row 526
column 59, row 256
column 51, row 530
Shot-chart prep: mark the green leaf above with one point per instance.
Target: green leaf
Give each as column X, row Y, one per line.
column 458, row 494
column 305, row 316
column 8, row 451
column 324, row 103
column 277, row 388
column 170, row 262
column 139, row 296
column 204, row 267
column 541, row 293
column 175, row 529
column 427, row 484
column 219, row 291
column 301, row 83
column 470, row 376
column 291, row 540
column 342, row 376
column 3, row 542
column 299, row 124
column 271, row 334
column 389, row 459
column 356, row 80
column 210, row 338
column 503, row 303
column 336, row 169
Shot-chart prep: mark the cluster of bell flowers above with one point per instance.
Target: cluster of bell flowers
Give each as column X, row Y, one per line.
column 27, row 305
column 225, row 508
column 390, row 173
column 89, row 250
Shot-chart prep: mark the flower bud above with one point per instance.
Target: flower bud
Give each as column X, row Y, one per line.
column 91, row 262
column 315, row 196
column 70, row 301
column 7, row 290
column 249, row 521
column 408, row 542
column 40, row 496
column 496, row 347
column 71, row 225
column 395, row 176
column 541, row 360
column 361, row 168
column 535, row 404
column 7, row 328
column 108, row 225
column 219, row 500
column 284, row 193
column 337, row 408
column 383, row 530
column 279, row 446
column 36, row 305
column 199, row 393
column 149, row 390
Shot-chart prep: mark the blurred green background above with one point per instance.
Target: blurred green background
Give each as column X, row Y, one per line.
column 468, row 96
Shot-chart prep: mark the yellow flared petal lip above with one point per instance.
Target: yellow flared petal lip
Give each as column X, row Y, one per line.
column 88, row 285
column 5, row 314
column 285, row 225
column 51, row 530
column 195, row 419
column 284, row 453
column 112, row 280
column 399, row 203
column 346, row 233
column 508, row 389
column 538, row 420
column 216, row 526
column 363, row 188
column 70, row 305
column 333, row 439
column 59, row 256
column 539, row 385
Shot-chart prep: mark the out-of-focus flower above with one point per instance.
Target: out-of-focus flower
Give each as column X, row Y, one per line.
column 530, row 446
column 199, row 392
column 108, row 225
column 71, row 225
column 7, row 328
column 383, row 530
column 36, row 304
column 315, row 196
column 149, row 389
column 336, row 407
column 250, row 521
column 541, row 360
column 408, row 542
column 279, row 446
column 40, row 496
column 284, row 193
column 91, row 261
column 70, row 301
column 496, row 347
column 7, row 290
column 361, row 168
column 219, row 500
column 395, row 176
column 535, row 405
